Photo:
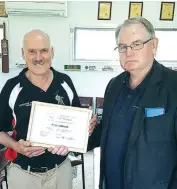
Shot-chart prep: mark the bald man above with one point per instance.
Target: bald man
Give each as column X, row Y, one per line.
column 36, row 167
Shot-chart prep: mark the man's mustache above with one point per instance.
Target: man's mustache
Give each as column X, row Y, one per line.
column 35, row 62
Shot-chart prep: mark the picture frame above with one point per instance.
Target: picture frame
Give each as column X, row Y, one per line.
column 52, row 125
column 104, row 10
column 3, row 12
column 135, row 9
column 167, row 11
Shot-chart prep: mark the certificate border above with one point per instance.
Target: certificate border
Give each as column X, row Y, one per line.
column 130, row 8
column 109, row 3
column 161, row 11
column 30, row 126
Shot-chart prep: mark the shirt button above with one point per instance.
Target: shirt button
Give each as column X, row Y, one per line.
column 129, row 96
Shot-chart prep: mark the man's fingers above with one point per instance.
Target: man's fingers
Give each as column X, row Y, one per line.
column 24, row 144
column 93, row 120
column 30, row 150
column 36, row 148
column 55, row 150
column 37, row 153
column 64, row 152
column 92, row 124
column 59, row 150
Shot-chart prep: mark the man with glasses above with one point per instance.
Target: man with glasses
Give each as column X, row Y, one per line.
column 138, row 143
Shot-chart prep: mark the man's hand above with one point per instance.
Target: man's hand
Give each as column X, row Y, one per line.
column 92, row 124
column 26, row 149
column 59, row 150
column 63, row 150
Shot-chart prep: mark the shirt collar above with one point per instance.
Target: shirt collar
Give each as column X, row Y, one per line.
column 142, row 85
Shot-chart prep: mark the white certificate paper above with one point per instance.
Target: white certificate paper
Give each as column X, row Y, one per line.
column 52, row 125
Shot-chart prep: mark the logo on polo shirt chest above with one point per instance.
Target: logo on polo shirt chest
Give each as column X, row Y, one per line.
column 59, row 99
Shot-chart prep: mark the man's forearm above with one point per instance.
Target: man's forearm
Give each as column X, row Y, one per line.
column 8, row 141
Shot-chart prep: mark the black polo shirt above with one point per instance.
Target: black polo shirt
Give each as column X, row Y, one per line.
column 15, row 100
column 119, row 129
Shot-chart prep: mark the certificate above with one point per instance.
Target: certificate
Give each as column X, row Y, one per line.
column 52, row 125
column 135, row 9
column 2, row 10
column 104, row 10
column 167, row 10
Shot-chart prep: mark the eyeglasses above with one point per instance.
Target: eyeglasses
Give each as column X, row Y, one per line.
column 136, row 45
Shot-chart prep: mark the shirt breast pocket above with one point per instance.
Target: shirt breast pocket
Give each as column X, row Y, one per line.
column 160, row 128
